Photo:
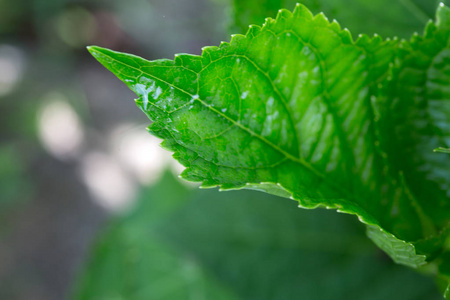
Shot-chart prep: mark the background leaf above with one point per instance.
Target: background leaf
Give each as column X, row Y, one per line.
column 178, row 244
column 441, row 149
column 387, row 18
column 414, row 117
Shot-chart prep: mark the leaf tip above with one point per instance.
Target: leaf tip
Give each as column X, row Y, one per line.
column 302, row 12
column 443, row 16
column 441, row 150
column 98, row 52
column 94, row 49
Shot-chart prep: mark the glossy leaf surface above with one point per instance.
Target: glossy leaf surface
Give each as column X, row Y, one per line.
column 442, row 150
column 298, row 109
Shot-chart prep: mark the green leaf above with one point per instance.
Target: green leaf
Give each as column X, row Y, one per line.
column 244, row 245
column 441, row 149
column 314, row 123
column 403, row 18
column 414, row 117
column 130, row 262
column 298, row 109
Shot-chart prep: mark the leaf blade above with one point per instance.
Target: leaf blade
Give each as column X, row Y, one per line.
column 292, row 154
column 442, row 150
column 231, row 144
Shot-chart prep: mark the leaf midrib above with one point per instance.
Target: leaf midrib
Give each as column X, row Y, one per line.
column 298, row 160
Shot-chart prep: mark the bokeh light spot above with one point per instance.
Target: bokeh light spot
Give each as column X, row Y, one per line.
column 60, row 130
column 12, row 64
column 110, row 186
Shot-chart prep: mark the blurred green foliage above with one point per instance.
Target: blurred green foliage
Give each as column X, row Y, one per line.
column 15, row 186
column 387, row 18
column 183, row 244
column 176, row 242
column 11, row 177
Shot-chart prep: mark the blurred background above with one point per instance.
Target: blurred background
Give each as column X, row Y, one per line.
column 90, row 207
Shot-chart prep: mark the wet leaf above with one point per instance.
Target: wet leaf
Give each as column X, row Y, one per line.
column 298, row 109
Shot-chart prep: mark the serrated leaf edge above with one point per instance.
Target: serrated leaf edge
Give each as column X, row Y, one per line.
column 346, row 36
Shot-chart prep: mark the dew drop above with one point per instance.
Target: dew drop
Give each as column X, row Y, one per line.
column 158, row 92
